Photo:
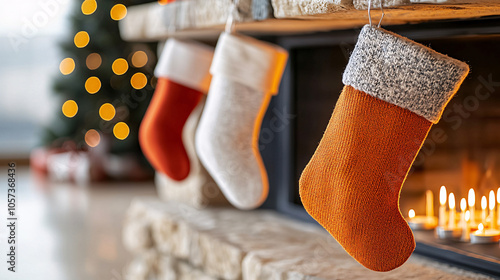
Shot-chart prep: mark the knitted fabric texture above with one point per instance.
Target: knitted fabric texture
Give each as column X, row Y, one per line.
column 160, row 133
column 395, row 89
column 183, row 77
column 225, row 144
column 351, row 185
column 402, row 72
column 246, row 73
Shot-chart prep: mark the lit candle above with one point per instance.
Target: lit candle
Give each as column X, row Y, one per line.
column 498, row 204
column 483, row 236
column 442, row 206
column 463, row 205
column 466, row 228
column 484, row 203
column 429, row 203
column 493, row 222
column 411, row 214
column 472, row 204
column 451, row 204
column 421, row 222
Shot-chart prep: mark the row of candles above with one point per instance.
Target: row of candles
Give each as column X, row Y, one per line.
column 467, row 229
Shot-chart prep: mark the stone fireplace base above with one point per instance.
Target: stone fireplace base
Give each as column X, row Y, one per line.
column 176, row 241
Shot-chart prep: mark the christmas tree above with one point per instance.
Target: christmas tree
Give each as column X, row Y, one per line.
column 105, row 83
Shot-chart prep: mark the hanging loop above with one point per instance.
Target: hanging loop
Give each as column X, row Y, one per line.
column 231, row 23
column 370, row 15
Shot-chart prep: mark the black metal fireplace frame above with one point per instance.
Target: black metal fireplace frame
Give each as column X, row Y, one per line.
column 279, row 159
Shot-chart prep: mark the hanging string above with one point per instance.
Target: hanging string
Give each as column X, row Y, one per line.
column 231, row 24
column 370, row 15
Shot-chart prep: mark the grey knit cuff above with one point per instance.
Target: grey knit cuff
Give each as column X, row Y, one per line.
column 403, row 72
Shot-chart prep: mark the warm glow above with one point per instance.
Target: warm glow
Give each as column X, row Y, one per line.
column 498, row 195
column 67, row 66
column 467, row 215
column 451, row 201
column 463, row 204
column 121, row 130
column 411, row 213
column 164, row 2
column 472, row 198
column 118, row 12
column 138, row 80
column 484, row 202
column 93, row 61
column 120, row 66
column 88, row 7
column 107, row 111
column 93, row 85
column 92, row 138
column 480, row 227
column 139, row 59
column 81, row 39
column 70, row 108
column 492, row 200
column 442, row 195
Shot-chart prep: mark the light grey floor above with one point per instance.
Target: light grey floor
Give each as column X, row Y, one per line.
column 67, row 231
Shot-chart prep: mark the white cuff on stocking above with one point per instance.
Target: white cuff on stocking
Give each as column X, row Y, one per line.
column 251, row 62
column 186, row 63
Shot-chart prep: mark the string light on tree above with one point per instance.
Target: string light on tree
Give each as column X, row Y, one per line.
column 138, row 80
column 93, row 85
column 121, row 130
column 120, row 66
column 67, row 66
column 107, row 112
column 81, row 39
column 70, row 108
column 118, row 12
column 93, row 61
column 92, row 138
column 139, row 59
column 89, row 7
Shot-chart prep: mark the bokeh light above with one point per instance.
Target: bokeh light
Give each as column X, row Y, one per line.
column 121, row 130
column 92, row 138
column 138, row 80
column 93, row 61
column 118, row 12
column 67, row 66
column 92, row 85
column 120, row 66
column 81, row 39
column 107, row 111
column 88, row 7
column 70, row 108
column 139, row 59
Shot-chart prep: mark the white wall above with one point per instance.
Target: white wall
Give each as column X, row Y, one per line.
column 29, row 59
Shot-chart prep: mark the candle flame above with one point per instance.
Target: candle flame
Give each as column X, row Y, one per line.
column 498, row 195
column 480, row 227
column 492, row 200
column 451, row 201
column 472, row 197
column 484, row 202
column 463, row 204
column 467, row 215
column 411, row 213
column 442, row 195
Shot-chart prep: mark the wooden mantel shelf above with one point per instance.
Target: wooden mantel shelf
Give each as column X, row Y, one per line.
column 149, row 22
